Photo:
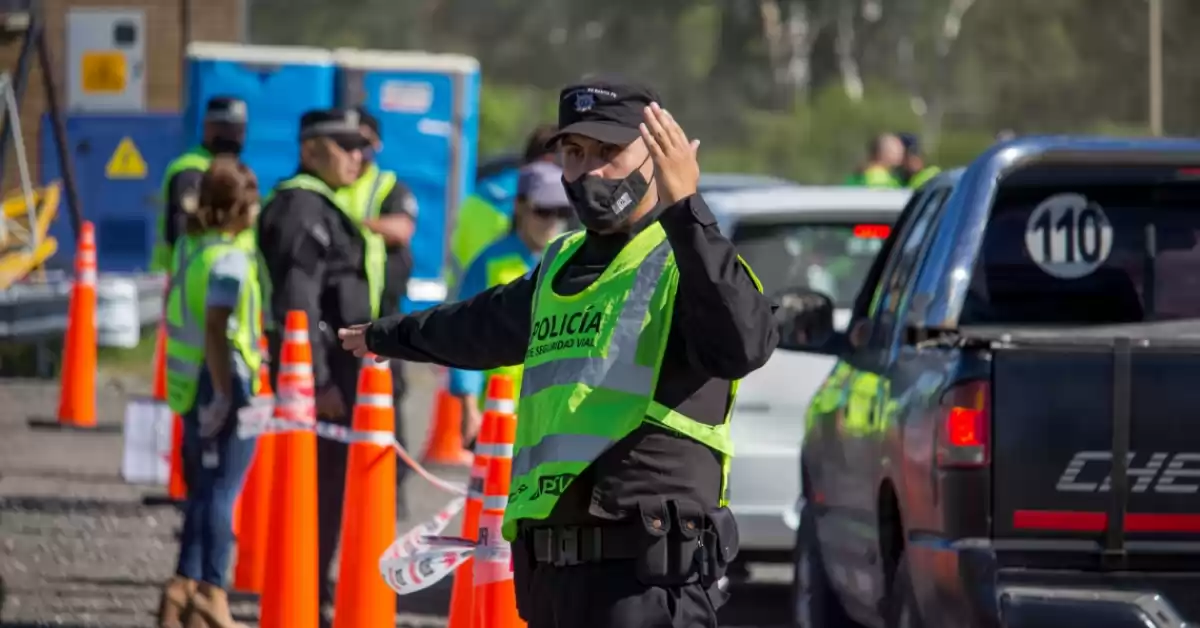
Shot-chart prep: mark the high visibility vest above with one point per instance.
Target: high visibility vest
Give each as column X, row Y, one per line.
column 186, row 311
column 479, row 224
column 501, row 270
column 591, row 371
column 874, row 177
column 923, row 176
column 363, row 200
column 298, row 182
column 196, row 159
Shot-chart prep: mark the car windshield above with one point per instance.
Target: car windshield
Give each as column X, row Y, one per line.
column 1115, row 249
column 832, row 258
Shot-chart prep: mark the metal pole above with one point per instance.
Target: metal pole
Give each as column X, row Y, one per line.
column 185, row 38
column 1156, row 68
column 66, row 159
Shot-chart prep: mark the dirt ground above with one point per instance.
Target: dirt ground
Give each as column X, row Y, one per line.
column 78, row 548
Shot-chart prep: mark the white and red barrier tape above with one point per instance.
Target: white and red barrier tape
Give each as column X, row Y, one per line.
column 258, row 418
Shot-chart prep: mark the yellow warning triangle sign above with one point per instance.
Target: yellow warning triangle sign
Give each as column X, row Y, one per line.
column 126, row 162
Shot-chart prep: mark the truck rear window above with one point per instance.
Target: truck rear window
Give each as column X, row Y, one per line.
column 1089, row 250
column 830, row 258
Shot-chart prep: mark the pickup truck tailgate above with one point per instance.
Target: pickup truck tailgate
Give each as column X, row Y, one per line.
column 1063, row 414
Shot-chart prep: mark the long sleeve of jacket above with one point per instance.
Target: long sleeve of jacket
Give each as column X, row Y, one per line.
column 461, row 381
column 725, row 319
column 487, row 331
column 184, row 184
column 294, row 241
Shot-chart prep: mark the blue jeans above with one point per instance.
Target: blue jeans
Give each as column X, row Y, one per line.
column 213, row 488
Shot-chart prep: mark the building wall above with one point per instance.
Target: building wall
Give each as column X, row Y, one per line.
column 211, row 20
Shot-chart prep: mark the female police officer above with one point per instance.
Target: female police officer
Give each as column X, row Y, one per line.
column 632, row 336
column 212, row 371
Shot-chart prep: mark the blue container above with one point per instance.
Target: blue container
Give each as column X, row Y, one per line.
column 428, row 109
column 278, row 84
column 122, row 201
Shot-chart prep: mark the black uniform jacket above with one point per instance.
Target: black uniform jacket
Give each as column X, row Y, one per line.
column 722, row 330
column 314, row 255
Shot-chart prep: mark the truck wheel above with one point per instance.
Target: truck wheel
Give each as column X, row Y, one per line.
column 902, row 602
column 814, row 602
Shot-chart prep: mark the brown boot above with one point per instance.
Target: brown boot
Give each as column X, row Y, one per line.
column 210, row 608
column 176, row 598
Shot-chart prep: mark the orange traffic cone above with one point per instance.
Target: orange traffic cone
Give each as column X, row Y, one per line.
column 495, row 594
column 176, row 487
column 463, row 594
column 159, row 391
column 254, row 518
column 363, row 599
column 289, row 597
column 445, row 445
column 77, row 382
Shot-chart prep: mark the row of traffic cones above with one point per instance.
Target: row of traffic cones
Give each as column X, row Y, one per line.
column 484, row 595
column 276, row 522
column 289, row 589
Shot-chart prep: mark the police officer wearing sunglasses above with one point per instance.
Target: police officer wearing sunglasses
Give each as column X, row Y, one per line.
column 632, row 335
column 314, row 256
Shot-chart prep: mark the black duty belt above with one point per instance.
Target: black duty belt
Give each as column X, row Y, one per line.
column 574, row 545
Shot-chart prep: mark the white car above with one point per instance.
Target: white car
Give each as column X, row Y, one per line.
column 792, row 236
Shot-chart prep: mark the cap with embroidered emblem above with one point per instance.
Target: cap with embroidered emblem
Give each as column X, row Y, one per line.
column 604, row 109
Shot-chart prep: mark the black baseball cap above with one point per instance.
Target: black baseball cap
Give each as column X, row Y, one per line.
column 339, row 125
column 608, row 110
column 227, row 109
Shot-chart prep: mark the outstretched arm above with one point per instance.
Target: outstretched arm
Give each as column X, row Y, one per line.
column 487, row 331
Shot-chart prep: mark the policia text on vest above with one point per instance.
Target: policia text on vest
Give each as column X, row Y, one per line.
column 654, row 439
column 622, row 447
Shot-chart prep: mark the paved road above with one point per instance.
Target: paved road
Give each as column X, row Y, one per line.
column 77, row 547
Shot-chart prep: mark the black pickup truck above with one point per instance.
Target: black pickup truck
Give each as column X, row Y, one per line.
column 1011, row 435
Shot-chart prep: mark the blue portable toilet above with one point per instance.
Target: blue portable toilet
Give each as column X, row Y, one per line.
column 278, row 83
column 428, row 109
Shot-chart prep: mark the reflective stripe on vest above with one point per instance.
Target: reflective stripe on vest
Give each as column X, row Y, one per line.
column 185, row 332
column 574, row 407
column 188, row 333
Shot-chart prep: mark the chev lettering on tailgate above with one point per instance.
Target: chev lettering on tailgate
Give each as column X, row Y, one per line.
column 1166, row 472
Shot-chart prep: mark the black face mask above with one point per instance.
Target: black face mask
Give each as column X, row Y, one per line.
column 604, row 204
column 224, row 146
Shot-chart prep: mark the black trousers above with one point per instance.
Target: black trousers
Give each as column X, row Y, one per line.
column 609, row 595
column 331, row 472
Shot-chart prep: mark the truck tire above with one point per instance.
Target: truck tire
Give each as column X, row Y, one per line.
column 814, row 602
column 902, row 602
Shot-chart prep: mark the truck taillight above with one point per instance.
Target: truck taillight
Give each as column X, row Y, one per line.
column 965, row 429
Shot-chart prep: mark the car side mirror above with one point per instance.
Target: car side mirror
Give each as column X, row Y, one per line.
column 805, row 320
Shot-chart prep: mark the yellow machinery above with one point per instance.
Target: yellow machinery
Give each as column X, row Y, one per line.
column 24, row 245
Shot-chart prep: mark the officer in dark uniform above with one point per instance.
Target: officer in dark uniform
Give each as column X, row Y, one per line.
column 643, row 325
column 314, row 258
